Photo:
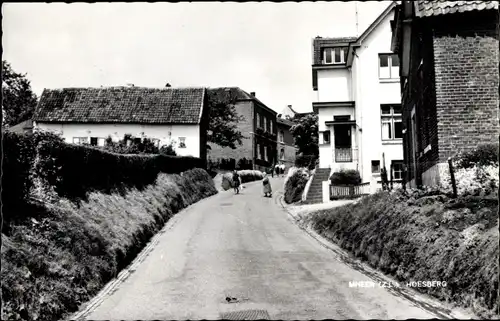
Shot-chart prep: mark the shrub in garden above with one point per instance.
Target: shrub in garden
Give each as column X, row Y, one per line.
column 483, row 155
column 74, row 170
column 245, row 175
column 295, row 184
column 346, row 177
column 307, row 161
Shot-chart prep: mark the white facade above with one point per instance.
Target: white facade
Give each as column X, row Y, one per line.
column 369, row 85
column 185, row 138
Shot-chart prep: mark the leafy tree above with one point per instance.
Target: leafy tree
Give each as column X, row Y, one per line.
column 19, row 101
column 224, row 119
column 305, row 134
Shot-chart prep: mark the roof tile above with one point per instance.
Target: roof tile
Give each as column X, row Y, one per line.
column 121, row 105
column 425, row 8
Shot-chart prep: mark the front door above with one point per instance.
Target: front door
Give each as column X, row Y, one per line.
column 343, row 143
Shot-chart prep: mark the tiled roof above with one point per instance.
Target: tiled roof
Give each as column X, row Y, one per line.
column 319, row 43
column 121, row 105
column 238, row 93
column 439, row 7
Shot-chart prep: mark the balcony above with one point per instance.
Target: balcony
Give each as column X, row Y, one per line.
column 344, row 154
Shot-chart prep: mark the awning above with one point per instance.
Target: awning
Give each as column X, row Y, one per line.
column 343, row 122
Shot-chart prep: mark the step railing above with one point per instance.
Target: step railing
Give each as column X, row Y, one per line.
column 349, row 191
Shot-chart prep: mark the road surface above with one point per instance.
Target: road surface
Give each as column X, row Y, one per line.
column 245, row 247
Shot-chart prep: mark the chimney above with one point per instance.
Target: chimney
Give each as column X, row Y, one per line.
column 252, row 93
column 130, row 85
column 168, row 85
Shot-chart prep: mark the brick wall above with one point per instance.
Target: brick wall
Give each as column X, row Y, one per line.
column 467, row 82
column 244, row 108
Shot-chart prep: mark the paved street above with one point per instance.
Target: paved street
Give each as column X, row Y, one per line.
column 244, row 246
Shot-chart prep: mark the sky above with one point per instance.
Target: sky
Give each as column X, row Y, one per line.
column 260, row 47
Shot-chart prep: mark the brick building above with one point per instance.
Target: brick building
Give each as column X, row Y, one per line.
column 449, row 53
column 259, row 128
column 286, row 147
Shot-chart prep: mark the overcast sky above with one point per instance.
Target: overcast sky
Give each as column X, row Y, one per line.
column 260, row 47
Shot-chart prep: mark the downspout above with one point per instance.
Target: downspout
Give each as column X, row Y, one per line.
column 358, row 105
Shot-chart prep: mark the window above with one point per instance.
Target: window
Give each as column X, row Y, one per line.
column 397, row 169
column 271, row 126
column 258, row 151
column 388, row 66
column 375, row 166
column 342, row 118
column 392, row 128
column 93, row 141
column 326, row 137
column 282, row 154
column 265, row 153
column 282, row 136
column 80, row 140
column 97, row 141
column 265, row 123
column 335, row 55
column 182, row 142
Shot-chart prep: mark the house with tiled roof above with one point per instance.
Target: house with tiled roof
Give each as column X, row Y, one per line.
column 259, row 145
column 90, row 115
column 357, row 99
column 449, row 53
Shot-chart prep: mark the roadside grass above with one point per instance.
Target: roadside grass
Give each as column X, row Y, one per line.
column 53, row 264
column 429, row 238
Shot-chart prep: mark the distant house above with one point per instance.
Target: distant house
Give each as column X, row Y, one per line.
column 286, row 147
column 358, row 103
column 90, row 115
column 24, row 127
column 449, row 53
column 258, row 127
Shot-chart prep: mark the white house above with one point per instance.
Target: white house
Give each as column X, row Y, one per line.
column 358, row 102
column 90, row 115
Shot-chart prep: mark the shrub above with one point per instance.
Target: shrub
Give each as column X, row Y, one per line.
column 168, row 150
column 483, row 155
column 295, row 184
column 245, row 175
column 74, row 170
column 19, row 153
column 307, row 161
column 346, row 177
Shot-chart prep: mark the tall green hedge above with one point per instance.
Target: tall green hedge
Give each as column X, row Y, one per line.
column 74, row 170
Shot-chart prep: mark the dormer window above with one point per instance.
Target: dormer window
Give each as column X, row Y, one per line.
column 335, row 55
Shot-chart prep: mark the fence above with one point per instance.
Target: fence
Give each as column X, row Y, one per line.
column 349, row 191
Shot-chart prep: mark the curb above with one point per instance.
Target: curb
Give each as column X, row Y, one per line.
column 370, row 272
column 112, row 285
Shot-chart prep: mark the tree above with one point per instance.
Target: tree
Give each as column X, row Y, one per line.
column 223, row 119
column 19, row 101
column 305, row 134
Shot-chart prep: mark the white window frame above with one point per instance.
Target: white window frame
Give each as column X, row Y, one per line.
column 182, row 142
column 282, row 154
column 78, row 140
column 393, row 70
column 391, row 119
column 329, row 137
column 399, row 171
column 332, row 51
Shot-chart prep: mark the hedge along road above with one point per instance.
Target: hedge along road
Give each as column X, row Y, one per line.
column 245, row 247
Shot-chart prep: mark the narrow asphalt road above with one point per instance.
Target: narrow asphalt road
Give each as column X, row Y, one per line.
column 244, row 246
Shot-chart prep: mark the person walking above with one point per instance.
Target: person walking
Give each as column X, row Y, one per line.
column 236, row 182
column 267, row 186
